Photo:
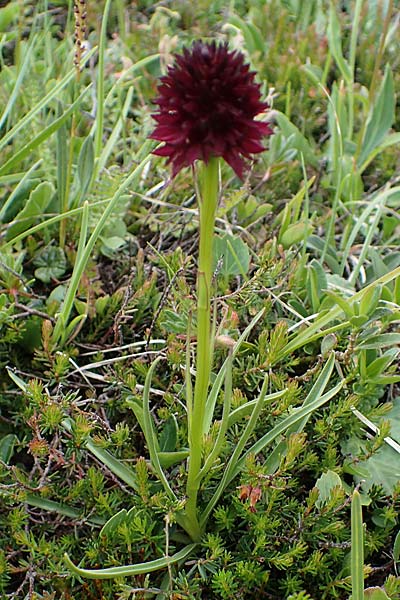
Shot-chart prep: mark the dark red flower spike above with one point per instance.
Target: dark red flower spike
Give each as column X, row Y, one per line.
column 206, row 108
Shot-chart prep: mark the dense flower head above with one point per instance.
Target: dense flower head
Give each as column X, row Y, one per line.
column 207, row 102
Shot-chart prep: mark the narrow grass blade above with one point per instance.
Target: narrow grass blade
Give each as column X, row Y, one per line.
column 316, row 329
column 150, row 434
column 24, row 121
column 60, row 330
column 357, row 548
column 358, row 224
column 237, row 461
column 246, row 409
column 219, row 442
column 43, row 135
column 61, row 509
column 116, row 467
column 17, row 86
column 130, row 570
column 115, row 133
column 212, row 397
column 227, row 476
column 100, row 81
column 51, row 221
column 318, row 388
column 302, row 412
column 82, row 260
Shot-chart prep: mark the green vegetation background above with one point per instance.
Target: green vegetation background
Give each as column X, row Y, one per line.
column 316, row 221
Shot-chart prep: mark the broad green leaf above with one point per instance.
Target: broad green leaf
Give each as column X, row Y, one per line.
column 383, row 467
column 16, row 379
column 380, row 118
column 51, row 264
column 379, row 341
column 111, row 243
column 325, row 484
column 169, row 435
column 232, row 255
column 85, row 165
column 375, row 593
column 298, row 141
column 294, row 234
column 378, row 366
column 392, row 139
column 36, row 205
column 113, row 523
column 370, row 300
column 8, row 14
column 7, row 444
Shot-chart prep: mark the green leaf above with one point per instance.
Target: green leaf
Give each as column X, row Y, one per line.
column 383, row 467
column 130, row 570
column 251, row 35
column 375, row 593
column 370, row 300
column 51, row 263
column 325, row 485
column 26, row 119
column 294, row 234
column 113, row 523
column 111, row 243
column 150, row 433
column 167, row 459
column 380, row 118
column 62, row 509
column 8, row 14
column 335, row 44
column 234, row 255
column 85, row 165
column 377, row 366
column 36, row 205
column 7, row 444
column 379, row 341
column 169, row 435
column 298, row 141
column 396, row 548
column 316, row 283
column 57, row 125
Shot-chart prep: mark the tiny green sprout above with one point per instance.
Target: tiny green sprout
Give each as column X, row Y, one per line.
column 35, row 392
column 51, row 417
column 121, row 434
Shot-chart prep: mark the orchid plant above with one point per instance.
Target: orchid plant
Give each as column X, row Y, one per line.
column 207, row 107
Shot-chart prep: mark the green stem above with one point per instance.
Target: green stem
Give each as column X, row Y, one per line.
column 357, row 548
column 207, row 207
